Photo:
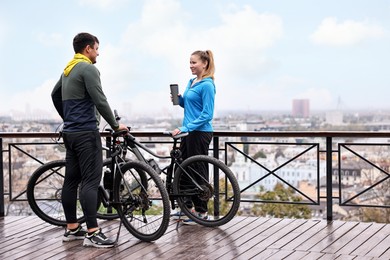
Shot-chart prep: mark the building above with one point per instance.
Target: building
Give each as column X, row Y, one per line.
column 301, row 108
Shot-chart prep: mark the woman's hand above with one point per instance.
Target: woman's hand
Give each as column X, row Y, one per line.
column 176, row 132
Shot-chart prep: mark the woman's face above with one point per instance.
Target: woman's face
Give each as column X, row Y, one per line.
column 197, row 66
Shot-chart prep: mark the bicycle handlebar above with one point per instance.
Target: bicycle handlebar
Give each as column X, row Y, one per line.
column 175, row 136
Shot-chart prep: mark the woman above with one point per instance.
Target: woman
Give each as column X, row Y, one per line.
column 198, row 104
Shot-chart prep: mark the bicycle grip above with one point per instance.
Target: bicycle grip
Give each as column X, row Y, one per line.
column 117, row 118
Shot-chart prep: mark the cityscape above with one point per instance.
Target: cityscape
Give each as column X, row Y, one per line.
column 261, row 156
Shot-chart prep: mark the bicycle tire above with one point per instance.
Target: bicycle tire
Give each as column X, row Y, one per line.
column 143, row 201
column 44, row 194
column 221, row 198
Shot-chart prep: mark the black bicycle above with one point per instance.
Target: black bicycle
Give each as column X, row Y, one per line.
column 200, row 177
column 129, row 189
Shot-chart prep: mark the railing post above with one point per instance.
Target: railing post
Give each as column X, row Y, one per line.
column 1, row 180
column 329, row 191
column 216, row 147
column 108, row 144
column 216, row 176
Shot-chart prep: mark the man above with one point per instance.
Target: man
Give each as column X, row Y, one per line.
column 79, row 99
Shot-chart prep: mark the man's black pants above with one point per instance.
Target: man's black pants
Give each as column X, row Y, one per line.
column 84, row 163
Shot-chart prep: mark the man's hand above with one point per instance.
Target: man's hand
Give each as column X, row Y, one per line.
column 121, row 127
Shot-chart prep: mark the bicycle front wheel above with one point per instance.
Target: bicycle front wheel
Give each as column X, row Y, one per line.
column 204, row 184
column 44, row 190
column 143, row 201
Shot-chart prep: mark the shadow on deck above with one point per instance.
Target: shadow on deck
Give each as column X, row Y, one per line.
column 241, row 238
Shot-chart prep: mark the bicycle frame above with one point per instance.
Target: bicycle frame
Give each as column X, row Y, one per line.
column 184, row 180
column 134, row 146
column 118, row 153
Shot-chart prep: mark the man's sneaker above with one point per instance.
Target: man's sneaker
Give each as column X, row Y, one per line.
column 98, row 239
column 179, row 216
column 199, row 215
column 70, row 235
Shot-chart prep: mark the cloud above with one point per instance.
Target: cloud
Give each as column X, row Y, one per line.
column 104, row 4
column 349, row 32
column 37, row 101
column 239, row 40
column 3, row 30
column 52, row 39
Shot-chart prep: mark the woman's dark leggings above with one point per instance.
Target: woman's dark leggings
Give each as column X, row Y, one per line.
column 196, row 143
column 84, row 163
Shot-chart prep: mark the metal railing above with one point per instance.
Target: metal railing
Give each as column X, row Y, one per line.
column 225, row 143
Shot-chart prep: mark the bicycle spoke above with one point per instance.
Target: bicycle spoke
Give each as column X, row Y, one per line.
column 203, row 184
column 144, row 205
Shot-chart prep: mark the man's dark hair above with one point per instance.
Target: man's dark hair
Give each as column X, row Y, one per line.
column 82, row 40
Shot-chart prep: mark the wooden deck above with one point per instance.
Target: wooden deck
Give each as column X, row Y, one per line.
column 242, row 238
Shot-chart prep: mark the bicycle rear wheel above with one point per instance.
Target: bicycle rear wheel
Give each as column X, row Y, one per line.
column 143, row 201
column 207, row 183
column 44, row 190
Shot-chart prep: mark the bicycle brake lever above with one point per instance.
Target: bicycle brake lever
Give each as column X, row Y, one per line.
column 59, row 136
column 117, row 117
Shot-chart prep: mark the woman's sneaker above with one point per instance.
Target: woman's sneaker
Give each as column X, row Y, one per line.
column 179, row 216
column 70, row 235
column 98, row 239
column 199, row 215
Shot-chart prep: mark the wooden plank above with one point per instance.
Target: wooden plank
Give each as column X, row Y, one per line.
column 349, row 236
column 229, row 244
column 306, row 235
column 232, row 253
column 372, row 241
column 319, row 236
column 366, row 258
column 279, row 254
column 275, row 233
column 258, row 235
column 250, row 232
column 333, row 237
column 361, row 238
column 386, row 255
column 304, row 226
column 296, row 255
column 345, row 257
column 313, row 255
column 258, row 253
column 223, row 241
column 381, row 248
column 225, row 236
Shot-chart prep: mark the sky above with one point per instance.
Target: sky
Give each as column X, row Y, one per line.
column 267, row 53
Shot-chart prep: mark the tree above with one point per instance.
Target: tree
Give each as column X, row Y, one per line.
column 279, row 210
